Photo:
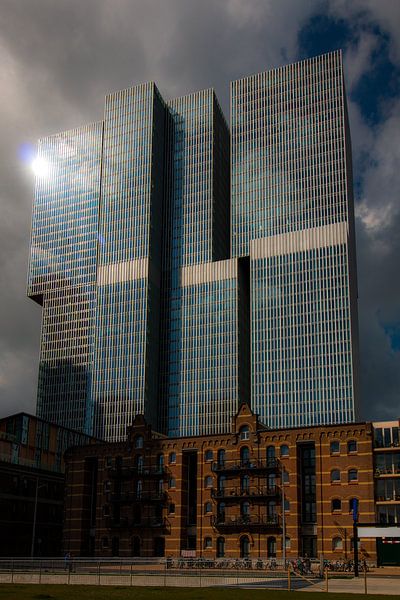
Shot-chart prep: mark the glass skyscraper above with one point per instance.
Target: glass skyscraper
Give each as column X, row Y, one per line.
column 179, row 285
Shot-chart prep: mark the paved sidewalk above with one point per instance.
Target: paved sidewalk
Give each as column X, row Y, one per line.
column 375, row 585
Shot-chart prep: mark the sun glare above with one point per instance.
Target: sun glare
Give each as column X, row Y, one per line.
column 40, row 167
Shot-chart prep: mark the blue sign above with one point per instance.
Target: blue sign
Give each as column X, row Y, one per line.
column 355, row 509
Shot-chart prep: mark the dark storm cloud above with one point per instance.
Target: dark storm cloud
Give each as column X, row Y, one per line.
column 59, row 59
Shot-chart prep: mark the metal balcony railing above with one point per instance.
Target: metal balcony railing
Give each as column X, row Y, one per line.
column 254, row 466
column 246, row 522
column 253, row 493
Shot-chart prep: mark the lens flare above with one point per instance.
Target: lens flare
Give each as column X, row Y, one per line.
column 40, row 167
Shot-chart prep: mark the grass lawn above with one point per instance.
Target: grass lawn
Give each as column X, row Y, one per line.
column 91, row 592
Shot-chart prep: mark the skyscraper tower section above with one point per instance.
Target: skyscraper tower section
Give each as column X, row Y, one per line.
column 179, row 285
column 293, row 214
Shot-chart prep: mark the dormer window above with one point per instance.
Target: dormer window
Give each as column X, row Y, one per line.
column 244, row 432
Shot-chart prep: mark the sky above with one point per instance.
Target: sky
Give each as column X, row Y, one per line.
column 59, row 58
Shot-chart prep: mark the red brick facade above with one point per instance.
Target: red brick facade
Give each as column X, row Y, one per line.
column 222, row 494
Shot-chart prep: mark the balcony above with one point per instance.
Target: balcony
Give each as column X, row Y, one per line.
column 139, row 472
column 132, row 497
column 253, row 466
column 253, row 494
column 161, row 524
column 246, row 523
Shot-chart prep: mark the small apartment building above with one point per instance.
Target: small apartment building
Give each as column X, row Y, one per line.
column 32, row 481
column 241, row 494
column 387, row 488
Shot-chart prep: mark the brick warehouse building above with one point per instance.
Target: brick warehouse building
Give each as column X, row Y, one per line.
column 222, row 495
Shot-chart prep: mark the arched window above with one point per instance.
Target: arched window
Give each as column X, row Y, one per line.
column 172, row 458
column 207, row 542
column 286, row 505
column 244, row 547
column 352, row 475
column 172, row 482
column 271, row 481
column 245, row 484
column 171, row 508
column 207, row 508
column 337, row 543
column 139, row 441
column 271, row 547
column 271, row 452
column 160, row 487
column 208, row 455
column 139, row 460
column 245, row 509
column 287, row 543
column 285, row 450
column 352, row 446
column 221, row 512
column 221, row 483
column 335, row 476
column 221, row 458
column 208, row 481
column 244, row 432
column 139, row 488
column 285, row 476
column 244, row 456
column 160, row 462
column 335, row 447
column 271, row 510
column 336, row 504
column 220, row 547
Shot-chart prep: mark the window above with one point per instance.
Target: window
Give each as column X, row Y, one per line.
column 207, row 508
column 221, row 458
column 221, row 483
column 220, row 547
column 107, row 486
column 245, row 484
column 106, row 510
column 245, row 509
column 108, row 465
column 208, row 481
column 285, row 476
column 244, row 456
column 335, row 447
column 244, row 547
column 284, row 450
column 287, row 505
column 172, row 483
column 351, row 446
column 207, row 542
column 335, row 476
column 172, row 458
column 208, row 455
column 139, row 460
column 270, row 452
column 139, row 489
column 271, row 547
column 337, row 543
column 336, row 504
column 352, row 475
column 287, row 543
column 139, row 441
column 171, row 508
column 244, row 432
column 104, row 542
column 160, row 462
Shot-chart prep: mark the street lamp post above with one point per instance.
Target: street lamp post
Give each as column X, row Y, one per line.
column 283, row 520
column 34, row 516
